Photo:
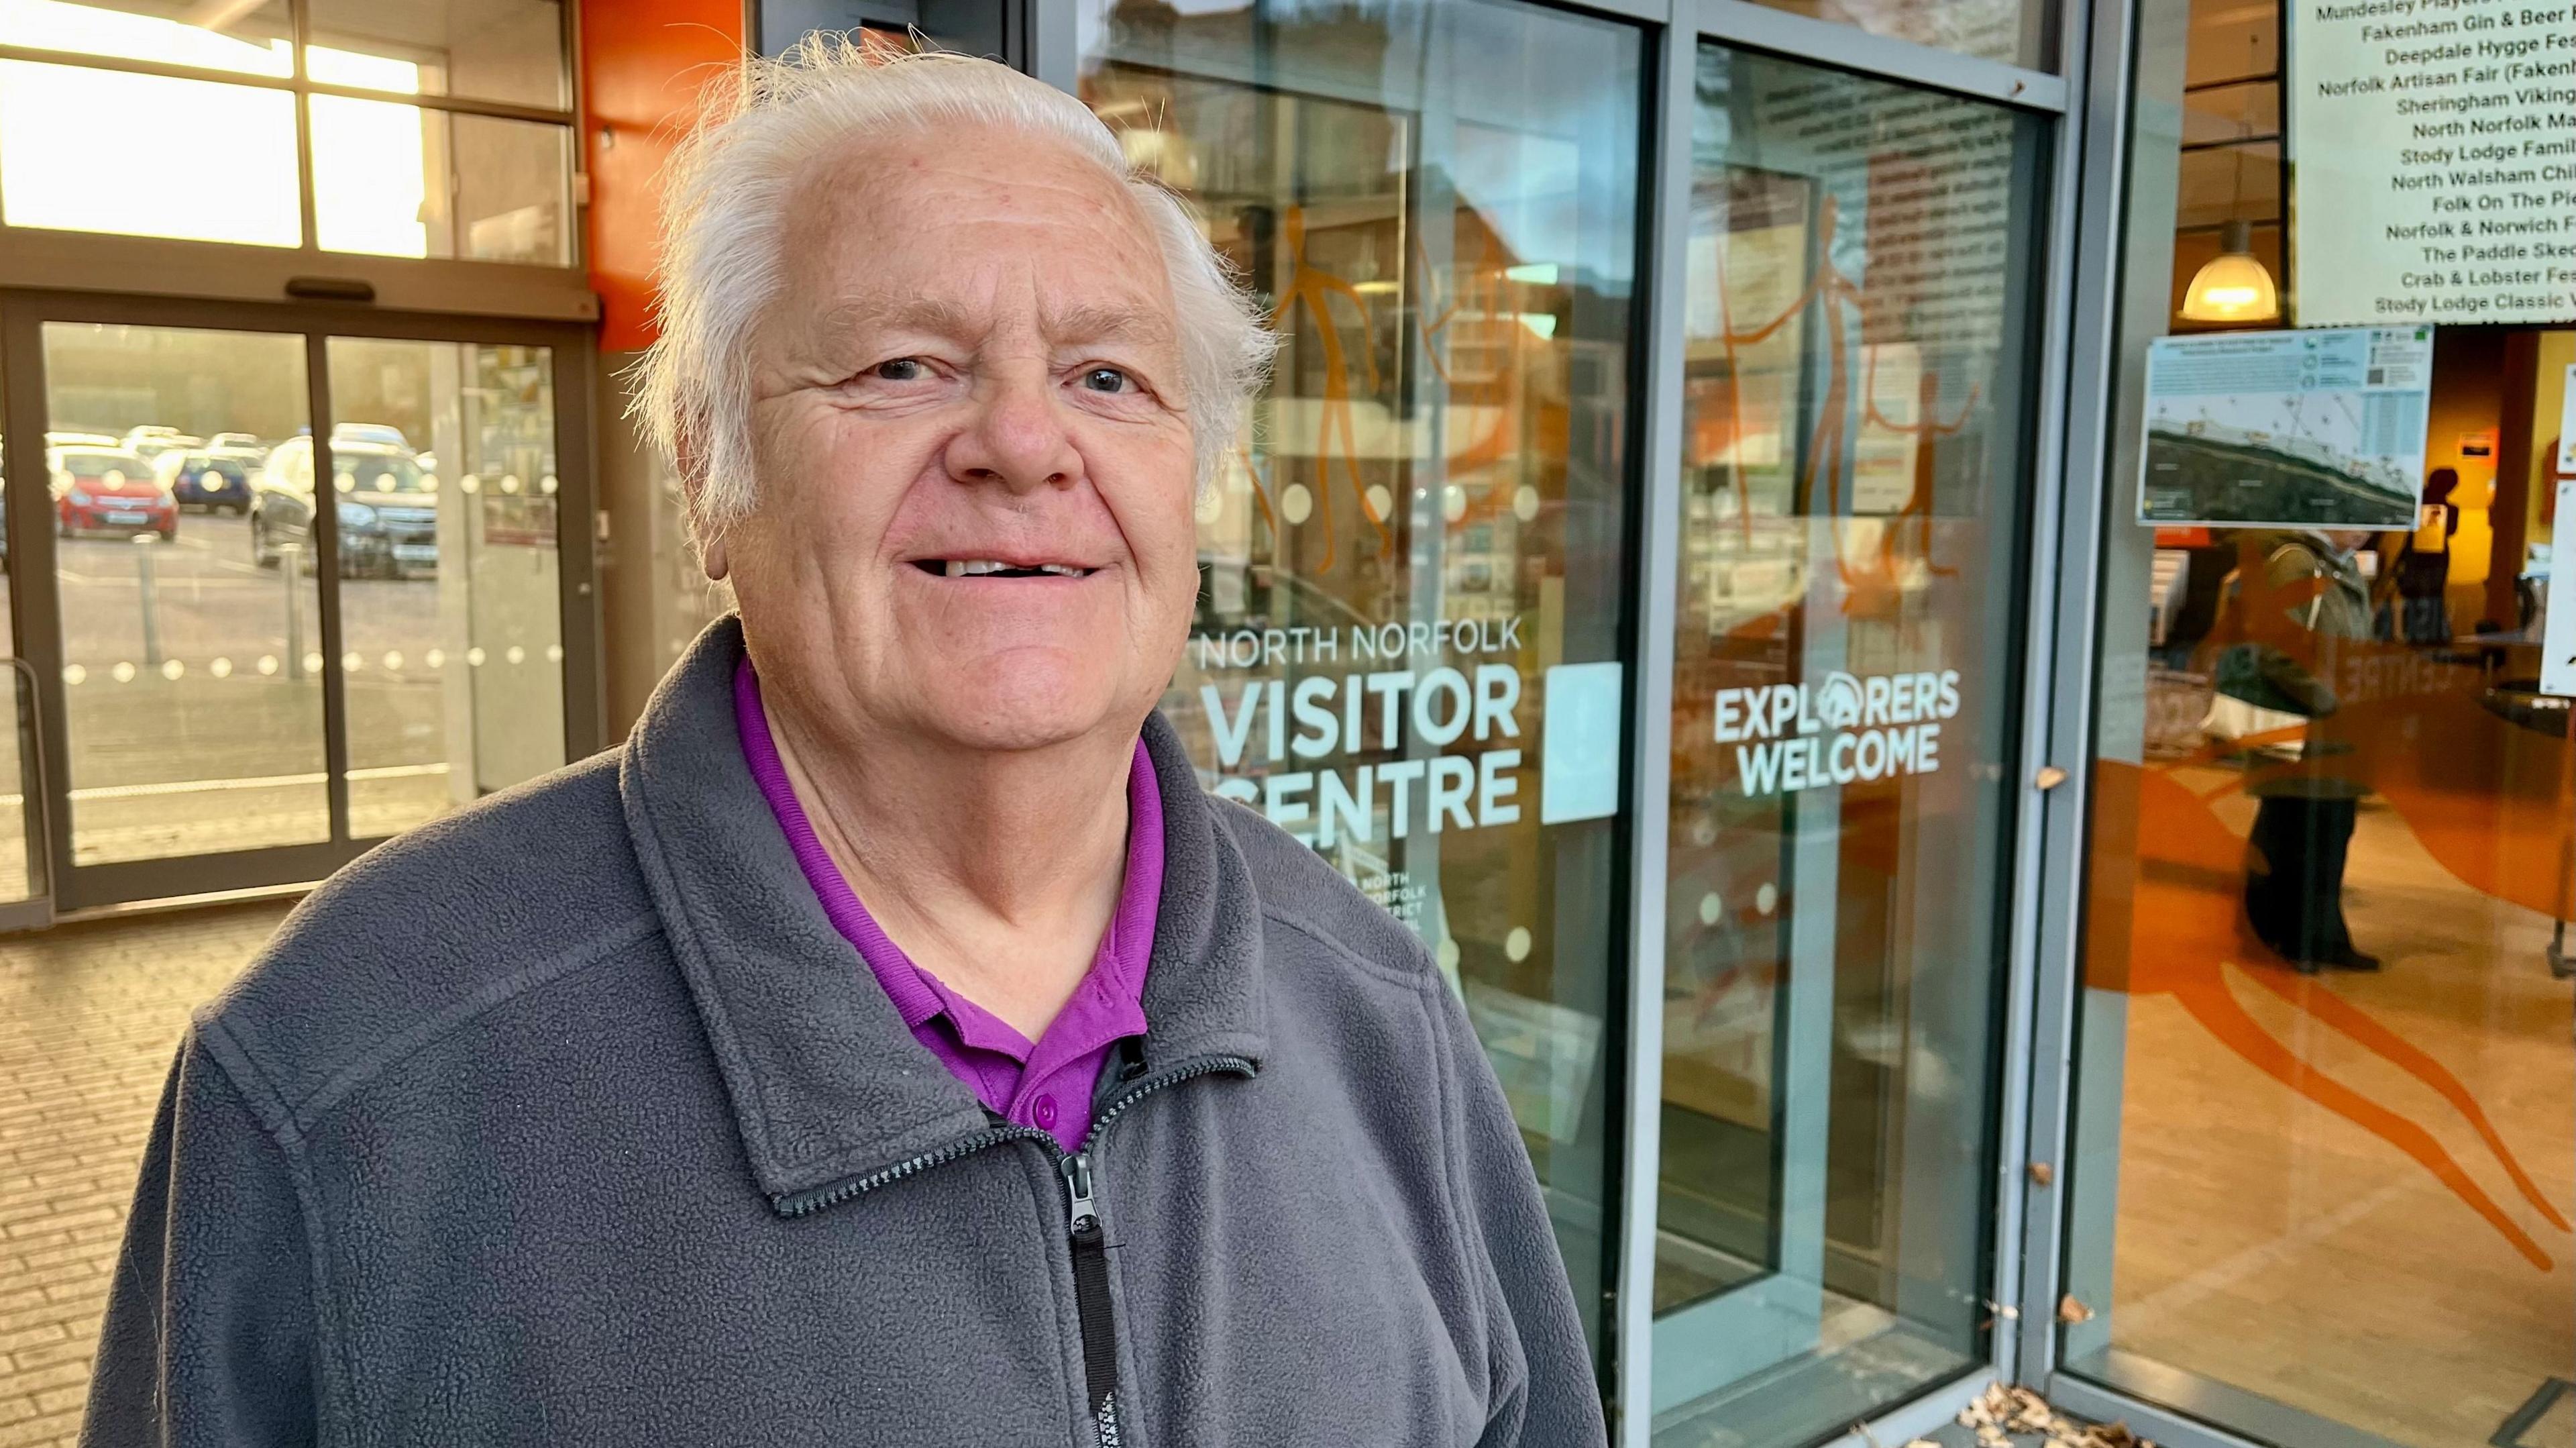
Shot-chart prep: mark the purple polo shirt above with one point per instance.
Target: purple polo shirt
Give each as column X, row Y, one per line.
column 1047, row 1085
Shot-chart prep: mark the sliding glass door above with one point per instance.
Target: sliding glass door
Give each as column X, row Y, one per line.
column 263, row 643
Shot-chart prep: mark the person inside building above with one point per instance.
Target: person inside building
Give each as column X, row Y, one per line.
column 2297, row 597
column 2424, row 568
column 891, row 1043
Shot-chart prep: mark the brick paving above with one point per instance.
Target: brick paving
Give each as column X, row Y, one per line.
column 89, row 1015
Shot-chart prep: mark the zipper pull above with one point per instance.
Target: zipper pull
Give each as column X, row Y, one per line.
column 1080, row 1215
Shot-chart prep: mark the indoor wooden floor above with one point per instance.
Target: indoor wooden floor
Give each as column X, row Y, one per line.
column 2268, row 1242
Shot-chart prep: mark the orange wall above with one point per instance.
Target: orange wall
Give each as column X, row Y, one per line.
column 642, row 64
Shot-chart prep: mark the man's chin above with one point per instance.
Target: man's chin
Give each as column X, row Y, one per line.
column 1009, row 720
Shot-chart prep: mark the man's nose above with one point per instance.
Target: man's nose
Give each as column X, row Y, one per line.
column 1017, row 437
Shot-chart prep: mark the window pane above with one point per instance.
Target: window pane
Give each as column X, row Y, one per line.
column 487, row 50
column 246, row 39
column 1408, row 643
column 398, row 180
column 451, row 617
column 192, row 671
column 2016, row 32
column 1857, row 468
column 147, row 155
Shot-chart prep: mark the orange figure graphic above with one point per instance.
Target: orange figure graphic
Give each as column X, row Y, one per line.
column 1827, row 460
column 2413, row 730
column 1314, row 288
column 2188, row 925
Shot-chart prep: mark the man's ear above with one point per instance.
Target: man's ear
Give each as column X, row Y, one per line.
column 692, row 461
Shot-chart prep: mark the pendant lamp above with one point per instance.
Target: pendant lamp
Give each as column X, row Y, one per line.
column 2232, row 286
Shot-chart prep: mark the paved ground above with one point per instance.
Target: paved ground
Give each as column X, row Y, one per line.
column 89, row 1016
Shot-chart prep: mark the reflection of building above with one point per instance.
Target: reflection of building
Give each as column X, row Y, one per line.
column 1799, row 349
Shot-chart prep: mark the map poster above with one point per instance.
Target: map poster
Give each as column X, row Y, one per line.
column 2433, row 160
column 2304, row 429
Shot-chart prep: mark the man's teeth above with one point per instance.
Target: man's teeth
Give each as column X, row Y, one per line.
column 976, row 567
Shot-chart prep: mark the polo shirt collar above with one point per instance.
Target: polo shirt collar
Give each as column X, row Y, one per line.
column 825, row 1079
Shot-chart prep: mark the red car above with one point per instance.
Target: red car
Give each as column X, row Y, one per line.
column 108, row 489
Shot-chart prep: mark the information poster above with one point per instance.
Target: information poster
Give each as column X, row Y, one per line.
column 2304, row 429
column 2558, row 625
column 2433, row 160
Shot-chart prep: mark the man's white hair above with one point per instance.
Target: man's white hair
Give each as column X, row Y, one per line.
column 726, row 193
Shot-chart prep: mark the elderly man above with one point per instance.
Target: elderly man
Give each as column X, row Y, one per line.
column 892, row 1044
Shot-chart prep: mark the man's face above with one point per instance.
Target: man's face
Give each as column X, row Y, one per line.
column 974, row 518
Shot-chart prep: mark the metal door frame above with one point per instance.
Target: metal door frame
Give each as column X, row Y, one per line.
column 36, row 607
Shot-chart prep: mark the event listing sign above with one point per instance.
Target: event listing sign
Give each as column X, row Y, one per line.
column 2433, row 160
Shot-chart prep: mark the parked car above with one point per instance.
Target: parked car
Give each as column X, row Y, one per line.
column 235, row 441
column 387, row 506
column 209, row 481
column 149, row 443
column 109, row 489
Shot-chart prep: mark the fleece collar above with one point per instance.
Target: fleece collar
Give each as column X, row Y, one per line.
column 825, row 1081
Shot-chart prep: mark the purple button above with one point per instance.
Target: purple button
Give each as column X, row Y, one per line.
column 1046, row 1113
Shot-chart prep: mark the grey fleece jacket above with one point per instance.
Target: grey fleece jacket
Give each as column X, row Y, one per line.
column 570, row 1119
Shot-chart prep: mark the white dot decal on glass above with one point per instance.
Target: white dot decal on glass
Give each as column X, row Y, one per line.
column 1380, row 501
column 1703, row 832
column 515, row 654
column 1296, row 503
column 313, row 661
column 351, row 662
column 114, row 478
column 1525, row 503
column 469, row 484
column 267, row 664
column 429, row 482
column 435, row 658
column 1517, row 944
column 75, row 674
column 554, row 653
column 346, row 482
column 509, row 482
column 474, row 658
column 171, row 669
column 1211, row 506
column 385, row 483
column 1453, row 502
column 123, row 673
column 1767, row 899
column 1448, row 954
column 547, row 485
column 1711, row 908
column 393, row 661
column 221, row 668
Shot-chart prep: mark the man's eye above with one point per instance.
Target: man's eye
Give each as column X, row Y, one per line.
column 901, row 369
column 1107, row 379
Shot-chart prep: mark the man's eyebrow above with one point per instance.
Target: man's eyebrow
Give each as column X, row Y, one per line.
column 910, row 314
column 1107, row 324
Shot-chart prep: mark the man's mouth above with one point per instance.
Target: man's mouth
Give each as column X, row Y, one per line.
column 994, row 568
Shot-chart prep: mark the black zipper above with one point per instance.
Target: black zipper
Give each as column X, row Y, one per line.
column 1082, row 1222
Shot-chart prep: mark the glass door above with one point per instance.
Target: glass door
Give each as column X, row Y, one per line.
column 1408, row 647
column 1857, row 388
column 243, row 685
